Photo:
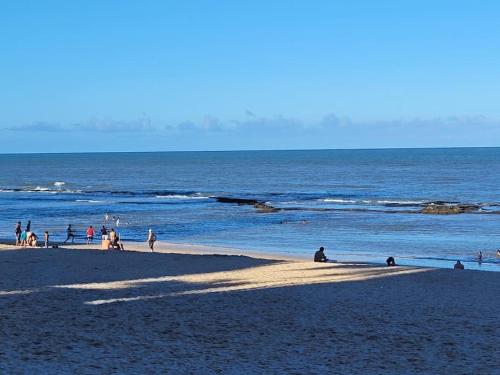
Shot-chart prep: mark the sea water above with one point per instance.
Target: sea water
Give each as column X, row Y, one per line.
column 361, row 205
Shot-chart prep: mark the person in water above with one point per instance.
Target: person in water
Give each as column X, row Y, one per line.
column 458, row 266
column 480, row 256
column 319, row 256
column 390, row 262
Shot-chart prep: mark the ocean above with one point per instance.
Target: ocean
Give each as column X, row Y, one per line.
column 361, row 205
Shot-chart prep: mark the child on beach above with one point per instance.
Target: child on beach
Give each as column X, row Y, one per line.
column 46, row 238
column 151, row 239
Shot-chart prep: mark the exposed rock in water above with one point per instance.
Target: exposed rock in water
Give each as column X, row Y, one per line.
column 240, row 201
column 260, row 206
column 264, row 207
column 449, row 209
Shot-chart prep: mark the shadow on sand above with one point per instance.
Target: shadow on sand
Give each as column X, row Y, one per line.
column 151, row 321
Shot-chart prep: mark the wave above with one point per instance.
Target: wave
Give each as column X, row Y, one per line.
column 89, row 201
column 59, row 183
column 338, row 200
column 182, row 196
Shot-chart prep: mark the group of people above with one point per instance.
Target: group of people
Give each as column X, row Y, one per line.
column 26, row 237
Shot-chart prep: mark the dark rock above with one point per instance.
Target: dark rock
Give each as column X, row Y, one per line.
column 262, row 207
column 240, row 201
column 449, row 209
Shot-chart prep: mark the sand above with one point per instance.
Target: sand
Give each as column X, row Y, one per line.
column 182, row 310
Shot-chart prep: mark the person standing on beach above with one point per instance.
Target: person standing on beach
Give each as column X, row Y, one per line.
column 28, row 226
column 70, row 234
column 23, row 238
column 151, row 239
column 90, row 235
column 18, row 233
column 46, row 238
column 104, row 233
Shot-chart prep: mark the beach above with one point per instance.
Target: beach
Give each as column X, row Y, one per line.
column 201, row 310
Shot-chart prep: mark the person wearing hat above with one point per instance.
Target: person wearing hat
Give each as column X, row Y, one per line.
column 151, row 239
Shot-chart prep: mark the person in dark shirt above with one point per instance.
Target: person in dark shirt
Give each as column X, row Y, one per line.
column 28, row 226
column 458, row 266
column 104, row 232
column 390, row 262
column 70, row 234
column 18, row 233
column 319, row 256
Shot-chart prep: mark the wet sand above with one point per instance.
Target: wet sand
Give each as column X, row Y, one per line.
column 185, row 310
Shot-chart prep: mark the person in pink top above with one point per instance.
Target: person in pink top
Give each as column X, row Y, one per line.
column 90, row 235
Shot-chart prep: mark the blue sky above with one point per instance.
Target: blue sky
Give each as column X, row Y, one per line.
column 215, row 75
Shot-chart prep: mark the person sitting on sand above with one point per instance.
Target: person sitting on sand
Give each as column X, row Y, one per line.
column 70, row 234
column 151, row 239
column 33, row 240
column 319, row 256
column 458, row 266
column 390, row 262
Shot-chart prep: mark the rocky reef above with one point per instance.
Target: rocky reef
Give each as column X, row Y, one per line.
column 260, row 206
column 443, row 208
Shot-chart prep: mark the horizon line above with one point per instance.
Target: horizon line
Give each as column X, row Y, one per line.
column 251, row 150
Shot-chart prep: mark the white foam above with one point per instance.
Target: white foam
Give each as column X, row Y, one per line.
column 399, row 202
column 89, row 201
column 338, row 200
column 59, row 183
column 181, row 196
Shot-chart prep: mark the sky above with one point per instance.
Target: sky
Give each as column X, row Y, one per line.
column 79, row 76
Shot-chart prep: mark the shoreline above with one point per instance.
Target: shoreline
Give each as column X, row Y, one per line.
column 164, row 247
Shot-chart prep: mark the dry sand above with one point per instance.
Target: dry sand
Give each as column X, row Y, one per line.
column 85, row 311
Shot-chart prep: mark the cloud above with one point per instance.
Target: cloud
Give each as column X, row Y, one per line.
column 39, row 126
column 140, row 124
column 109, row 125
column 278, row 131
